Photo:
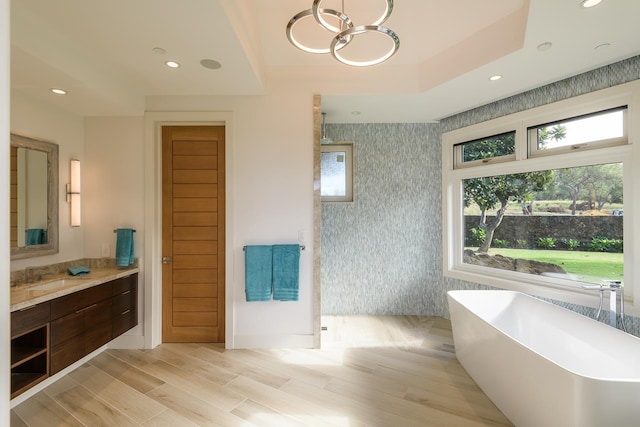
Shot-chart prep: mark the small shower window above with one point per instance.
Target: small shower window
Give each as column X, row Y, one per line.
column 336, row 173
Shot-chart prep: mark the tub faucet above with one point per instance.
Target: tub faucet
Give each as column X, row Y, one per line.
column 615, row 288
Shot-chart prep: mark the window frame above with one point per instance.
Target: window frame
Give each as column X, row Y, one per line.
column 532, row 135
column 347, row 148
column 453, row 175
column 459, row 153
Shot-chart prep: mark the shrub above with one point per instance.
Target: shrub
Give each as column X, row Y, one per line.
column 571, row 244
column 521, row 243
column 602, row 244
column 500, row 243
column 476, row 237
column 546, row 242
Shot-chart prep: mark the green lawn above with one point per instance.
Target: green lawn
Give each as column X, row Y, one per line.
column 589, row 267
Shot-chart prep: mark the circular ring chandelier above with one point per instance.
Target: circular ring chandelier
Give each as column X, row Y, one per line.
column 345, row 33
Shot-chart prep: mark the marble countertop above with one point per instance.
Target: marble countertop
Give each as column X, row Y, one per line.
column 29, row 294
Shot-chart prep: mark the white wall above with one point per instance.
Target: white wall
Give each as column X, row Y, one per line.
column 113, row 189
column 271, row 172
column 4, row 205
column 112, row 183
column 40, row 121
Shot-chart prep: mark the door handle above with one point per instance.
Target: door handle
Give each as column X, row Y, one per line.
column 166, row 260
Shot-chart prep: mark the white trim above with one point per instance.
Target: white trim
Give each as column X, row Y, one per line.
column 626, row 94
column 153, row 216
column 130, row 342
column 274, row 341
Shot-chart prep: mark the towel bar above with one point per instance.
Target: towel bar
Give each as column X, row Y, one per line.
column 302, row 247
column 115, row 231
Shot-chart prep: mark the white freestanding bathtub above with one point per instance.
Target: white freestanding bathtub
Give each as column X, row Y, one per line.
column 543, row 365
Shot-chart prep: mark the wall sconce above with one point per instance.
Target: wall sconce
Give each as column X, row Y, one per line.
column 73, row 193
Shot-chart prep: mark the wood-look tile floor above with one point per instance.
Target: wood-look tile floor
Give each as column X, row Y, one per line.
column 372, row 371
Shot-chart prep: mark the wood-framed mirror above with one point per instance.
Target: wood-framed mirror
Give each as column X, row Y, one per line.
column 34, row 197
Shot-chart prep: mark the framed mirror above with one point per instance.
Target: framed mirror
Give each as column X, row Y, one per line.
column 34, row 197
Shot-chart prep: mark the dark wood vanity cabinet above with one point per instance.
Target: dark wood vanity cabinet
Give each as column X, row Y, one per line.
column 85, row 320
column 80, row 323
column 29, row 347
column 48, row 337
column 124, row 313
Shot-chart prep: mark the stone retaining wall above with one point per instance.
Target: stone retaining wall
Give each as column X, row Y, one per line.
column 531, row 228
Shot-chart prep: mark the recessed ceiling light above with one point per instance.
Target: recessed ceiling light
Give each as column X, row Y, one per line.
column 589, row 3
column 159, row 50
column 172, row 64
column 542, row 47
column 59, row 91
column 211, row 64
column 496, row 77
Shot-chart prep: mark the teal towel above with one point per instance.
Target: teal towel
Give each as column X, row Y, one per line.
column 258, row 272
column 286, row 272
column 78, row 270
column 124, row 247
column 35, row 236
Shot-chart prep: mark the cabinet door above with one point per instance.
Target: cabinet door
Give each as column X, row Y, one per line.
column 66, row 353
column 97, row 325
column 68, row 327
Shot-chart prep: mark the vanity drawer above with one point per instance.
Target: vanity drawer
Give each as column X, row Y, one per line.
column 124, row 284
column 29, row 318
column 79, row 300
column 124, row 312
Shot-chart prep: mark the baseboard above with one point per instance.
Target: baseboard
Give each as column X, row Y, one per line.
column 273, row 341
column 127, row 342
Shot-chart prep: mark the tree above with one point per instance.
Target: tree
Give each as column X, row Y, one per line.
column 546, row 134
column 489, row 192
column 599, row 184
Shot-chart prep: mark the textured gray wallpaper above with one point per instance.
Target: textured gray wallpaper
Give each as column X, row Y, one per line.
column 382, row 254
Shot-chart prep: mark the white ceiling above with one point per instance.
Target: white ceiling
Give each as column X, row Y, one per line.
column 102, row 52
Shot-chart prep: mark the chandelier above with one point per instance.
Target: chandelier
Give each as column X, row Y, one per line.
column 343, row 33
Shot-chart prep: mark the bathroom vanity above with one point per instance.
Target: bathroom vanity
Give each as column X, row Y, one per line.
column 57, row 322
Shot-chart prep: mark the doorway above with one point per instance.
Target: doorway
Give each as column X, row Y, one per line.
column 193, row 234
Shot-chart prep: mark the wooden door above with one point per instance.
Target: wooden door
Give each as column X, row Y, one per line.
column 193, row 274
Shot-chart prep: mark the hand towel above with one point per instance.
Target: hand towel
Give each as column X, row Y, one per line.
column 35, row 236
column 124, row 247
column 78, row 270
column 286, row 272
column 258, row 272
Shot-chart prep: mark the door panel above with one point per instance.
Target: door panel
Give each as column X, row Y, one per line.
column 193, row 233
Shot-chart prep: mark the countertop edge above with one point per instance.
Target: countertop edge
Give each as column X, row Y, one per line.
column 83, row 283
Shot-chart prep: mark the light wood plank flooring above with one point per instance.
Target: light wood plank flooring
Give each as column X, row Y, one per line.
column 372, row 371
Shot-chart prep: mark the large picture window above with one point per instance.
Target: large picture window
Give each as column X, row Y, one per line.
column 564, row 223
column 543, row 205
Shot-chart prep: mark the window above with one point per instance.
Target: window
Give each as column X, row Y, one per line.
column 497, row 148
column 336, row 173
column 596, row 130
column 542, row 212
column 560, row 223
